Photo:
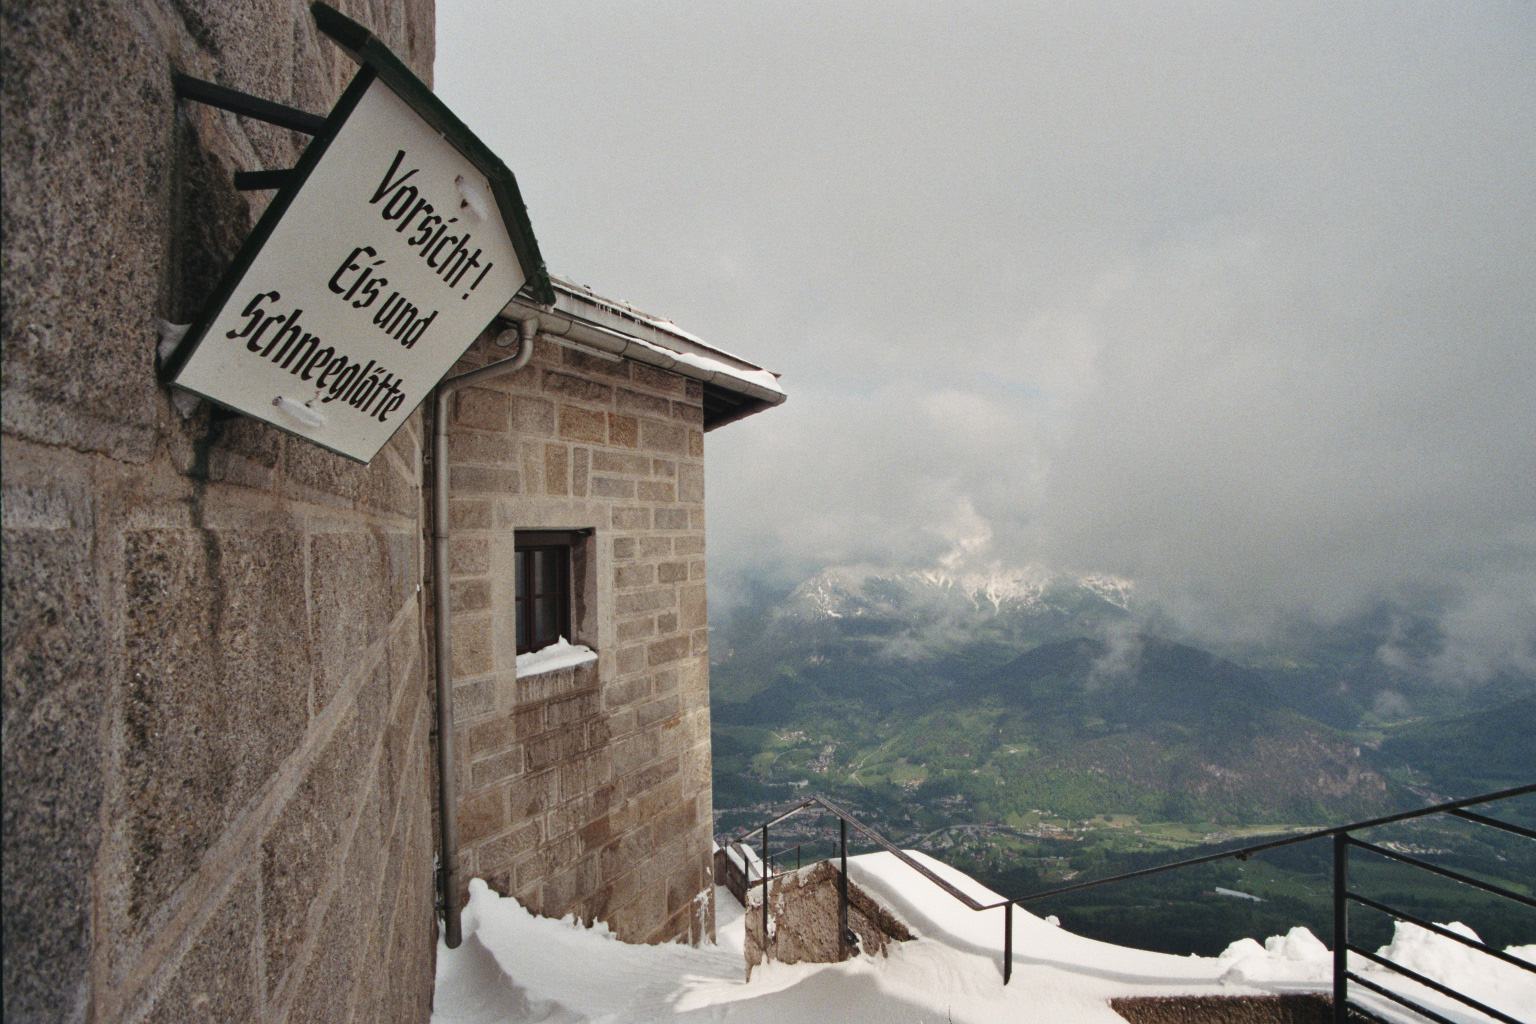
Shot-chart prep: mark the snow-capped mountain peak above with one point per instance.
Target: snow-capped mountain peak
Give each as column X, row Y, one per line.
column 860, row 591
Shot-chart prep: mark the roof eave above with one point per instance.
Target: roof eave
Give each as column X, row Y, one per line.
column 581, row 316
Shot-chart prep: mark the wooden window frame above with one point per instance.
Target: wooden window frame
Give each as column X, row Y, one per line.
column 526, row 595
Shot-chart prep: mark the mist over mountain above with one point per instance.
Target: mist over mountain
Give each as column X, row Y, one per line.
column 922, row 613
column 1022, row 688
column 1376, row 667
column 1034, row 725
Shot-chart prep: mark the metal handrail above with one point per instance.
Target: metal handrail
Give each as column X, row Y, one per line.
column 1339, row 833
column 1431, row 983
column 1519, row 830
column 1244, row 852
column 1441, row 930
column 1399, row 998
column 1343, row 896
column 870, row 834
column 1239, row 853
column 1454, row 876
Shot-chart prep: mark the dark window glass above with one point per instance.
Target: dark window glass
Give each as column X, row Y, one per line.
column 543, row 569
column 549, row 564
column 522, row 625
column 546, row 618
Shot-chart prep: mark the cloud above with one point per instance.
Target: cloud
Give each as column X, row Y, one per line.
column 1121, row 658
column 1236, row 304
column 1266, row 438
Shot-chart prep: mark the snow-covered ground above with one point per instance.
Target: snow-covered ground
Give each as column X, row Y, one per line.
column 514, row 967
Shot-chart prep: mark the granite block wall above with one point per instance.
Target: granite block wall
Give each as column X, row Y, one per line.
column 586, row 790
column 804, row 920
column 216, row 712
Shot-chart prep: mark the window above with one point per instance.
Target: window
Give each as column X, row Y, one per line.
column 543, row 588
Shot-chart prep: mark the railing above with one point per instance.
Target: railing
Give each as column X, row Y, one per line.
column 785, row 853
column 1343, row 896
column 1341, row 836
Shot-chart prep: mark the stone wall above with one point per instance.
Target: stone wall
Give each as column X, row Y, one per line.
column 587, row 790
column 1303, row 1008
column 804, row 920
column 216, row 740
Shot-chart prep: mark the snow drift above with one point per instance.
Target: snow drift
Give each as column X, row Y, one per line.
column 514, row 967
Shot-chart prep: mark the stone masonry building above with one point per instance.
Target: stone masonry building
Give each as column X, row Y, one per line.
column 220, row 788
column 586, row 789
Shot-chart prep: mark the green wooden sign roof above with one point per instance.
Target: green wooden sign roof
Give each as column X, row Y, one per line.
column 368, row 50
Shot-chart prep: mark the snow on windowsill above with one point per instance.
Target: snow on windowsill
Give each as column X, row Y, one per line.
column 560, row 654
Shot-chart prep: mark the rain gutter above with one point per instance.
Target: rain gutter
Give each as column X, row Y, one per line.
column 447, row 798
column 576, row 318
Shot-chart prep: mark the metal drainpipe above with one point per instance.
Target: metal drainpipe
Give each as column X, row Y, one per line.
column 447, row 808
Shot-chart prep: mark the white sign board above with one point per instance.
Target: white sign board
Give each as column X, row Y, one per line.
column 389, row 259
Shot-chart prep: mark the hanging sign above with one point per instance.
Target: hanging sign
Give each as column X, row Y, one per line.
column 396, row 242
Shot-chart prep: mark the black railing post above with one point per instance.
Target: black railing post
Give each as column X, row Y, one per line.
column 1007, row 942
column 1340, row 928
column 765, row 894
column 842, row 889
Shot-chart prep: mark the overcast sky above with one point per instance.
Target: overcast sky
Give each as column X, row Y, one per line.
column 1236, row 301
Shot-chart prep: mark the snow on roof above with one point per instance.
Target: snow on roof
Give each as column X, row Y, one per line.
column 733, row 387
column 660, row 335
column 515, row 967
column 753, row 375
column 630, row 311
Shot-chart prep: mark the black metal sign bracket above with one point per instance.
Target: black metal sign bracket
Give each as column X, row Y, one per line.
column 246, row 105
column 255, row 181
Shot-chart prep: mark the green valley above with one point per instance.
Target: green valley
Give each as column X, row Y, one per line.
column 1040, row 741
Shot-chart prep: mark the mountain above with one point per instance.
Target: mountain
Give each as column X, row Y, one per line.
column 1476, row 752
column 1009, row 693
column 842, row 624
column 851, row 592
column 1172, row 723
column 1034, row 728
